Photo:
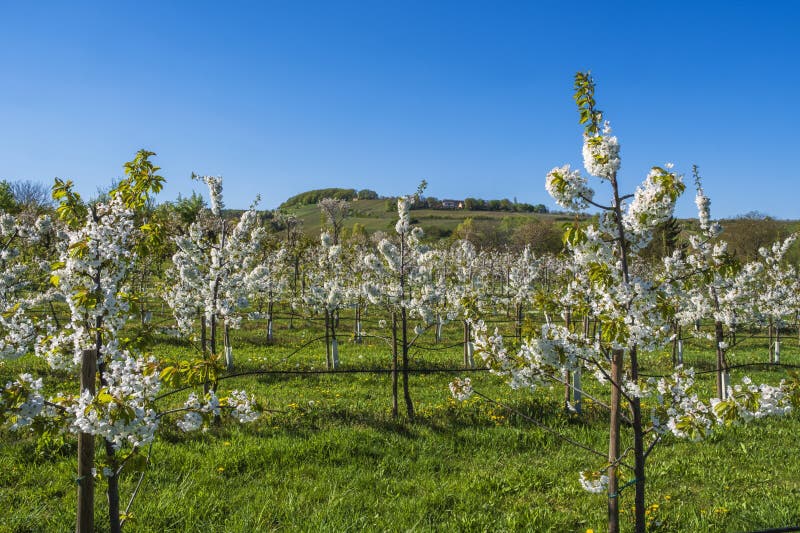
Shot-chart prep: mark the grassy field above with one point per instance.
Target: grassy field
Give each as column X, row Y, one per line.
column 375, row 216
column 327, row 456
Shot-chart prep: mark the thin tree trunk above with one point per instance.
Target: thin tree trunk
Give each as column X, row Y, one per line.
column 294, row 290
column 466, row 344
column 328, row 362
column 676, row 329
column 357, row 325
column 213, row 348
column 395, row 409
column 213, row 337
column 617, row 365
column 721, row 365
column 406, row 391
column 771, row 342
column 334, row 343
column 577, row 392
column 204, row 349
column 112, row 490
column 228, row 349
column 567, row 389
column 270, row 321
column 638, row 451
column 613, row 441
column 115, row 525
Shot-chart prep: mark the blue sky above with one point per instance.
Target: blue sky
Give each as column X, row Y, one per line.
column 475, row 97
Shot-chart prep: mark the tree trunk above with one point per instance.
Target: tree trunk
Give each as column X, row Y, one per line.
column 328, row 361
column 406, row 391
column 204, row 349
column 676, row 329
column 114, row 523
column 213, row 348
column 721, row 365
column 294, row 289
column 357, row 325
column 395, row 409
column 228, row 349
column 213, row 338
column 613, row 441
column 334, row 340
column 771, row 342
column 85, row 519
column 638, row 451
column 270, row 308
column 468, row 361
column 567, row 389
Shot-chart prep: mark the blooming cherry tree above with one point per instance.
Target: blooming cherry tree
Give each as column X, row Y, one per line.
column 22, row 276
column 118, row 387
column 215, row 272
column 629, row 309
column 402, row 281
column 328, row 292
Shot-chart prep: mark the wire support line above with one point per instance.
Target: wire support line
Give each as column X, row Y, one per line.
column 729, row 367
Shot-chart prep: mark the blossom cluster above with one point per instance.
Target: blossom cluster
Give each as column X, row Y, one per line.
column 21, row 401
column 239, row 405
column 122, row 411
column 594, row 482
column 601, row 154
column 461, row 389
column 568, row 188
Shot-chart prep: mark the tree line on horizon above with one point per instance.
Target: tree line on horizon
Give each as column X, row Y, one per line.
column 745, row 234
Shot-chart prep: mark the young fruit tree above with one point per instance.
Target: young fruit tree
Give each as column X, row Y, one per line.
column 215, row 272
column 117, row 386
column 401, row 281
column 629, row 308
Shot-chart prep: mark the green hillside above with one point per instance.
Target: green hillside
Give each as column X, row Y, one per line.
column 381, row 215
column 744, row 234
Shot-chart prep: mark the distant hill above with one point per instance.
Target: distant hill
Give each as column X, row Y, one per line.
column 380, row 214
column 744, row 234
column 314, row 196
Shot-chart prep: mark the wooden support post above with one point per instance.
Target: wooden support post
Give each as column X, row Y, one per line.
column 85, row 518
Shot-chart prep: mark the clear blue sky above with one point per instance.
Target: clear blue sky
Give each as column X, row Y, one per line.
column 475, row 97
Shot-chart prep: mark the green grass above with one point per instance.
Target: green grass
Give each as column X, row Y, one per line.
column 328, row 456
column 373, row 215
